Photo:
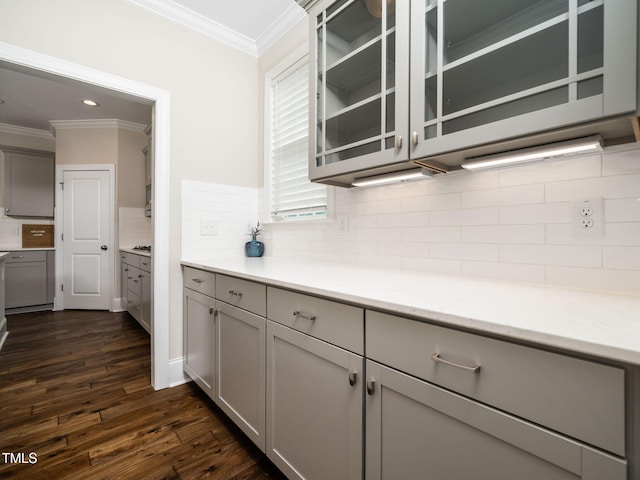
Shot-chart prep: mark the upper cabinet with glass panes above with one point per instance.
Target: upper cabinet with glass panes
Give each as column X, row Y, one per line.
column 478, row 73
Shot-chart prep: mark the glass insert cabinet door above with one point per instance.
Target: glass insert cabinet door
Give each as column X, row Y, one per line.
column 361, row 85
column 548, row 63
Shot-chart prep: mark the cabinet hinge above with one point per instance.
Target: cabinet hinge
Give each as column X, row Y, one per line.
column 62, row 185
column 62, row 237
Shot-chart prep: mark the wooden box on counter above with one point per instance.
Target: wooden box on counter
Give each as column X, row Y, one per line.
column 37, row 236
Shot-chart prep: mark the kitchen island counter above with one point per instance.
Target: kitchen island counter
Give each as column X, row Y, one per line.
column 605, row 325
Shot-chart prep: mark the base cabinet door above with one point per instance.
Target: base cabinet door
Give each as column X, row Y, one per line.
column 124, row 279
column 26, row 284
column 199, row 339
column 240, row 391
column 314, row 407
column 417, row 430
column 145, row 300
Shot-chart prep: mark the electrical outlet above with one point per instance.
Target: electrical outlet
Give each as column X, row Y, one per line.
column 343, row 224
column 587, row 217
column 208, row 227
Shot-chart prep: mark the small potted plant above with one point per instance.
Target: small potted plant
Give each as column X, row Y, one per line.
column 254, row 247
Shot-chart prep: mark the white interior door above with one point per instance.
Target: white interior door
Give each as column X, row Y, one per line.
column 86, row 241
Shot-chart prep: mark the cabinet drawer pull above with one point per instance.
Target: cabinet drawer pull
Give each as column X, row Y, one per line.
column 307, row 316
column 370, row 385
column 197, row 280
column 235, row 293
column 438, row 359
column 414, row 138
column 352, row 377
column 18, row 257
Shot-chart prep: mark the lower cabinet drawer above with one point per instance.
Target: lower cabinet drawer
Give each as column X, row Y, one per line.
column 27, row 256
column 200, row 281
column 244, row 294
column 583, row 399
column 133, row 305
column 333, row 322
column 133, row 281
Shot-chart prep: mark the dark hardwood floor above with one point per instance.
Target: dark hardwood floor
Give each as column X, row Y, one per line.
column 76, row 403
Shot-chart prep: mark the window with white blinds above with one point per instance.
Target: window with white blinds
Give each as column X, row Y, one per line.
column 293, row 196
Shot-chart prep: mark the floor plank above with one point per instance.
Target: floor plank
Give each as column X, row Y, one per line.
column 75, row 390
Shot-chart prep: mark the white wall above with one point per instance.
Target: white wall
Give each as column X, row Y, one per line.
column 213, row 87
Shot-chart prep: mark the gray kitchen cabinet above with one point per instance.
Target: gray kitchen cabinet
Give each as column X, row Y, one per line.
column 474, row 80
column 135, row 287
column 199, row 329
column 29, row 179
column 3, row 319
column 30, row 282
column 417, row 430
column 145, row 297
column 314, row 389
column 520, row 412
column 240, row 354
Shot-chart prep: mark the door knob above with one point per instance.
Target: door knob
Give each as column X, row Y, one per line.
column 103, row 247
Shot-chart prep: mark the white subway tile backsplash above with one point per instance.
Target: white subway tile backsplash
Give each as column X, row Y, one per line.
column 622, row 209
column 431, row 234
column 622, row 258
column 524, row 194
column 510, row 224
column 467, row 216
column 538, row 213
column 466, row 251
column 574, row 255
column 623, row 281
column 500, row 234
column 621, row 163
column 618, row 186
column 551, row 171
column 505, row 271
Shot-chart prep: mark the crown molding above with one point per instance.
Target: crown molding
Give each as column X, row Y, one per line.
column 29, row 132
column 277, row 29
column 98, row 123
column 199, row 23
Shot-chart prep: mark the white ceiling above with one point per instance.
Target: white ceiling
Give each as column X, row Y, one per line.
column 33, row 98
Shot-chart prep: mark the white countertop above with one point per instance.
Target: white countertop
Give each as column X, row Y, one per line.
column 19, row 249
column 606, row 325
column 136, row 252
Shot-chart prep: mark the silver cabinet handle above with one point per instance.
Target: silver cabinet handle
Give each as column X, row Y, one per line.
column 235, row 293
column 438, row 359
column 307, row 316
column 352, row 377
column 197, row 280
column 18, row 256
column 414, row 138
column 399, row 142
column 370, row 385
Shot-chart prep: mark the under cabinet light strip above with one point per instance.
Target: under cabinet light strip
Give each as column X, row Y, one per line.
column 572, row 147
column 406, row 175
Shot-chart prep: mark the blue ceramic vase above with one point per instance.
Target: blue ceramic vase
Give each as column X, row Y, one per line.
column 253, row 248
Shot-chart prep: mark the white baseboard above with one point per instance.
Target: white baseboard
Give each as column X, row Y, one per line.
column 176, row 372
column 116, row 305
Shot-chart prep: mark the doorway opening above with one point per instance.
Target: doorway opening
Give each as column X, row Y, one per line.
column 160, row 361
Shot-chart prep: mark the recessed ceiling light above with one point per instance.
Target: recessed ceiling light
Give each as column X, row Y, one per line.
column 90, row 103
